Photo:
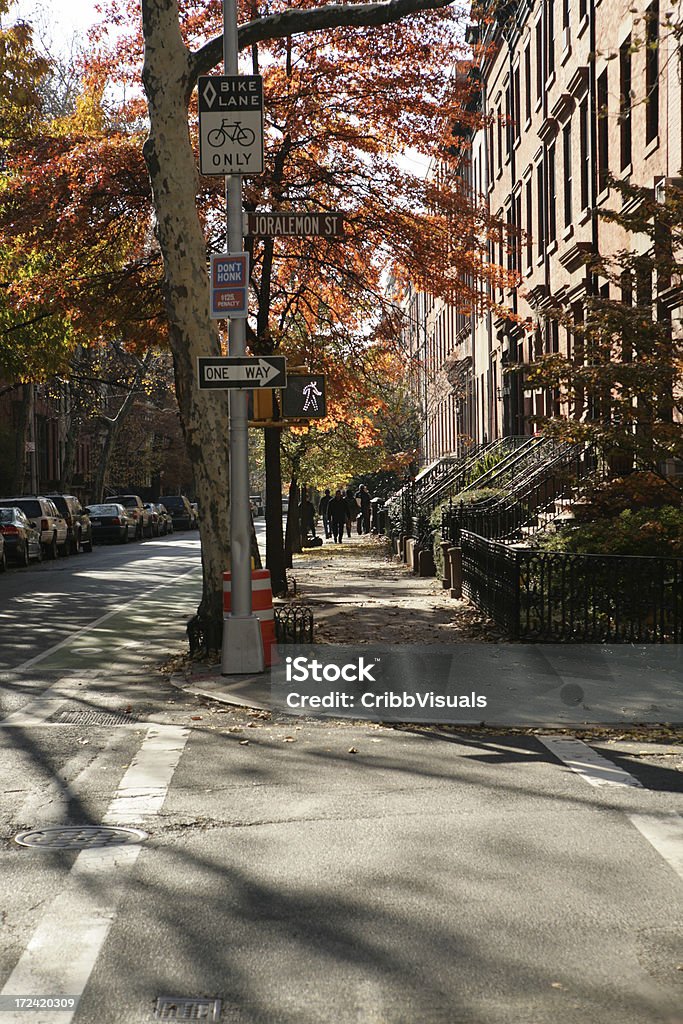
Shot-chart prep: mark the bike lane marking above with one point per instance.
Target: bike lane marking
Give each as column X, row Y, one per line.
column 98, row 622
column 65, row 945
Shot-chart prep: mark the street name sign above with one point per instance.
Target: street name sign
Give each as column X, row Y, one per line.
column 230, row 124
column 224, row 372
column 229, row 285
column 284, row 222
column 304, row 397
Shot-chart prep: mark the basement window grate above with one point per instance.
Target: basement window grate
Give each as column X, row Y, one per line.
column 176, row 1008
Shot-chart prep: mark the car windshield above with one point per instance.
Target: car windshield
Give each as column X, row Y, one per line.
column 128, row 500
column 103, row 510
column 172, row 502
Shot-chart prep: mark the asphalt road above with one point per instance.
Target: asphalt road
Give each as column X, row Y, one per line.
column 307, row 872
column 58, row 603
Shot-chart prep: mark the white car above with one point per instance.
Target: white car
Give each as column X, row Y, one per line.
column 43, row 515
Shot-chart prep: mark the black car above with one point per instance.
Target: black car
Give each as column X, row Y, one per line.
column 21, row 540
column 111, row 521
column 77, row 520
column 181, row 511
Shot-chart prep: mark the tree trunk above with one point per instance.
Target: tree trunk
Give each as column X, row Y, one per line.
column 275, row 556
column 21, row 462
column 69, row 427
column 173, row 175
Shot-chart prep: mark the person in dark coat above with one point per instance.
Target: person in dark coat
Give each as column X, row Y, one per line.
column 307, row 518
column 338, row 514
column 353, row 510
column 363, row 496
column 322, row 511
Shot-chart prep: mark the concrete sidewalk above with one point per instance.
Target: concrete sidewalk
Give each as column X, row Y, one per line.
column 361, row 595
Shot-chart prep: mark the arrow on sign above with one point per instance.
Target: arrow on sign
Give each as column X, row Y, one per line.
column 241, row 372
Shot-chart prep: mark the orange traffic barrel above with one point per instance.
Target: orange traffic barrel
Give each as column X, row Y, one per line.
column 261, row 606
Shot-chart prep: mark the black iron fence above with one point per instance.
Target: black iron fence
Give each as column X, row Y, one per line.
column 293, row 624
column 567, row 598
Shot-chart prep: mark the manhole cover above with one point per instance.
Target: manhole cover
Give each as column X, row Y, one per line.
column 171, row 1008
column 92, row 718
column 80, row 837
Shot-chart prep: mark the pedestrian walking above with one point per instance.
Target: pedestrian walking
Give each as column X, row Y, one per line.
column 352, row 510
column 307, row 518
column 363, row 497
column 338, row 513
column 323, row 512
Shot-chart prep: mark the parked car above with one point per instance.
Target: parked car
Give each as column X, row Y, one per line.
column 154, row 518
column 3, row 556
column 181, row 511
column 21, row 541
column 165, row 520
column 43, row 514
column 134, row 503
column 111, row 521
column 77, row 521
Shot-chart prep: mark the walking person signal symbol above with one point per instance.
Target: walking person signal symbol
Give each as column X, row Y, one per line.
column 233, row 131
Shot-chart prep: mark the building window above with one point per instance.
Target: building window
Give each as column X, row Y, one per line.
column 491, row 155
column 540, row 232
column 652, row 74
column 539, row 61
column 529, row 224
column 516, row 106
column 625, row 102
column 551, row 36
column 603, row 132
column 509, row 117
column 499, row 139
column 567, row 172
column 552, row 196
column 527, row 82
column 584, row 152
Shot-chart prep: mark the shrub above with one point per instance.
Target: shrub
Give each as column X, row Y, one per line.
column 647, row 531
column 636, row 491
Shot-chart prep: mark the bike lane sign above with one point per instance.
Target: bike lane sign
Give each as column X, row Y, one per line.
column 230, row 124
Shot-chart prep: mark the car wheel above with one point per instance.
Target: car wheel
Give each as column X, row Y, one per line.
column 51, row 548
column 22, row 554
column 3, row 561
column 75, row 546
column 39, row 555
column 123, row 536
column 138, row 532
column 65, row 549
column 87, row 544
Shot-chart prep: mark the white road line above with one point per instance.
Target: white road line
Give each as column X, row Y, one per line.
column 586, row 762
column 665, row 832
column 98, row 622
column 65, row 946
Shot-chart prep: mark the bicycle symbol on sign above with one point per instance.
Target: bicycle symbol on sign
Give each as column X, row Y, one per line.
column 233, row 131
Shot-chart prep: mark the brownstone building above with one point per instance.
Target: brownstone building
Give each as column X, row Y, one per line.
column 571, row 92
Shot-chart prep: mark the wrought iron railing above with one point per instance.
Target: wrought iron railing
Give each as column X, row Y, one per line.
column 574, row 598
column 528, row 497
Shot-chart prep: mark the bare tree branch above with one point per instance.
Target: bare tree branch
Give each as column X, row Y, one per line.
column 296, row 21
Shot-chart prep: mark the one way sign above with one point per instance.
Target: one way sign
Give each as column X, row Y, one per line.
column 221, row 372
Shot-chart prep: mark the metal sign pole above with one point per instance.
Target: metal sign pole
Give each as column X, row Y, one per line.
column 242, row 643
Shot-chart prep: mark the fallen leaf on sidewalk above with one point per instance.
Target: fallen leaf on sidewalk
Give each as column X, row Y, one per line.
column 195, row 718
column 244, row 743
column 353, row 750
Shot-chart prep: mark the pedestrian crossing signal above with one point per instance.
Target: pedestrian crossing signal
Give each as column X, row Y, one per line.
column 304, row 397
